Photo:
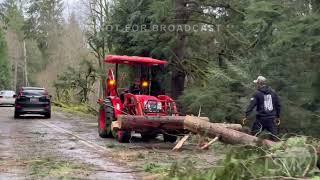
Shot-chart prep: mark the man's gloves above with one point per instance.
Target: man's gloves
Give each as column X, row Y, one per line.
column 278, row 121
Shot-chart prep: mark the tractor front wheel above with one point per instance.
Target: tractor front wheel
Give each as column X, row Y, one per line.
column 106, row 116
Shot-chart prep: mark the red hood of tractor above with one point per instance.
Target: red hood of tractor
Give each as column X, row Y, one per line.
column 145, row 98
column 150, row 105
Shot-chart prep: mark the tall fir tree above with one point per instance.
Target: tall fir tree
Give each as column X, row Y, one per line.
column 4, row 64
column 43, row 17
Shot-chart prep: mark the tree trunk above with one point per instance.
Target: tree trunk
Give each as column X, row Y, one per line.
column 15, row 75
column 194, row 124
column 315, row 4
column 178, row 76
column 237, row 127
column 177, row 84
column 26, row 83
column 198, row 126
column 148, row 123
column 162, row 122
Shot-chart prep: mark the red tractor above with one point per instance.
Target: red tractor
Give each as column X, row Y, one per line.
column 138, row 101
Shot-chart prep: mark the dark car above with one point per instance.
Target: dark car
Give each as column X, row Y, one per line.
column 33, row 100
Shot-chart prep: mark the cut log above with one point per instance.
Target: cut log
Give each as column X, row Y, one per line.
column 204, row 118
column 206, row 146
column 204, row 128
column 149, row 123
column 180, row 143
column 135, row 123
column 237, row 127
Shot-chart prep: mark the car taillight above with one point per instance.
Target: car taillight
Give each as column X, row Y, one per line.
column 46, row 97
column 18, row 106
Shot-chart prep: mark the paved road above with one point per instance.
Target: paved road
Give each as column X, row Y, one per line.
column 63, row 146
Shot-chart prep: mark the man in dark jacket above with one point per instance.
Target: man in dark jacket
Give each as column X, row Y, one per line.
column 267, row 106
column 135, row 87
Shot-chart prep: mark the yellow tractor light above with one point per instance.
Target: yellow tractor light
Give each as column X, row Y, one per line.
column 145, row 84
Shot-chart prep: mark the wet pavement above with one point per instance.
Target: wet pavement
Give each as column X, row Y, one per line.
column 32, row 146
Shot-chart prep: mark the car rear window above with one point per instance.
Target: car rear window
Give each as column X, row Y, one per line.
column 7, row 93
column 36, row 92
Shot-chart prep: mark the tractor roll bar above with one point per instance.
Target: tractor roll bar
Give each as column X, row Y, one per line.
column 134, row 60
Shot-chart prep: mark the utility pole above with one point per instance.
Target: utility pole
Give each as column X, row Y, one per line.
column 25, row 63
column 15, row 74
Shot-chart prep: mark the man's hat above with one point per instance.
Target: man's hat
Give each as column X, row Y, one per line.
column 260, row 79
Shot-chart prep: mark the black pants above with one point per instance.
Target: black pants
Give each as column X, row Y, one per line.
column 267, row 124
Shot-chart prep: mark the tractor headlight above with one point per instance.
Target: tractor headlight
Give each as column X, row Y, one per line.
column 159, row 106
column 118, row 106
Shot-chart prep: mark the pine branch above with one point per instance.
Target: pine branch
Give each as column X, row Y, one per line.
column 236, row 38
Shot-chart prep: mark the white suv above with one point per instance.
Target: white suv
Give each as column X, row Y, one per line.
column 7, row 97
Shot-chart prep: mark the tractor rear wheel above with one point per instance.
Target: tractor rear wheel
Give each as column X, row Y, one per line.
column 106, row 116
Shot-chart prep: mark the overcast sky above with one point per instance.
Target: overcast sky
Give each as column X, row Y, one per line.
column 71, row 1
column 70, row 5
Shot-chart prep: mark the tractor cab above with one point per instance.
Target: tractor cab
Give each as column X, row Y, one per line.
column 144, row 89
column 143, row 83
column 141, row 97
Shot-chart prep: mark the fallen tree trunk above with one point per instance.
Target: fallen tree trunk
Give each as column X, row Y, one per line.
column 212, row 130
column 237, row 127
column 145, row 123
column 196, row 125
column 161, row 122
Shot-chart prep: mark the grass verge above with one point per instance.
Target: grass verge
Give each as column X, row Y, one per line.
column 50, row 168
column 156, row 158
column 80, row 109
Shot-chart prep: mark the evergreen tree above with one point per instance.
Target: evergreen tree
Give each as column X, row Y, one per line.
column 13, row 21
column 4, row 65
column 44, row 16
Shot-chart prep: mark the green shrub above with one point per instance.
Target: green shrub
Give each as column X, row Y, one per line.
column 294, row 158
